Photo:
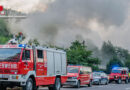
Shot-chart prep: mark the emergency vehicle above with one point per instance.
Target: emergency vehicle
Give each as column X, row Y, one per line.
column 79, row 75
column 30, row 67
column 119, row 74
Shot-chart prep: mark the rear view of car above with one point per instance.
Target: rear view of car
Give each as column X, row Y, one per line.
column 100, row 78
column 79, row 75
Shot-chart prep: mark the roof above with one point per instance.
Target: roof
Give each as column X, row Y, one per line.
column 30, row 47
column 120, row 68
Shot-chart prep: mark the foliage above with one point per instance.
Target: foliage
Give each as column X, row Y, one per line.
column 127, row 64
column 109, row 51
column 33, row 42
column 78, row 54
column 114, row 62
column 4, row 33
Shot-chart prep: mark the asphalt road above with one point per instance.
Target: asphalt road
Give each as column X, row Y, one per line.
column 98, row 87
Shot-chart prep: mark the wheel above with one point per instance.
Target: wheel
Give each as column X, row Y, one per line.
column 119, row 81
column 50, row 88
column 2, row 88
column 90, row 84
column 107, row 82
column 126, row 81
column 56, row 86
column 29, row 85
column 78, row 84
column 99, row 83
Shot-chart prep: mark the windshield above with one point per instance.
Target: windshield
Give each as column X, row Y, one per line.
column 10, row 54
column 73, row 70
column 116, row 71
column 96, row 74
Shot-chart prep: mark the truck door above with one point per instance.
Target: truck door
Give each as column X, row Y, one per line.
column 81, row 76
column 124, row 75
column 86, row 76
column 27, row 61
column 39, row 63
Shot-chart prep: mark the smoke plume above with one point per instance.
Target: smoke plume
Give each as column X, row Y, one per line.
column 63, row 21
column 59, row 22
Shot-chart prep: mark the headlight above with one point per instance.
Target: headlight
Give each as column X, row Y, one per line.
column 15, row 77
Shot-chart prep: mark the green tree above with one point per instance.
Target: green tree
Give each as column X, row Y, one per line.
column 114, row 62
column 33, row 42
column 4, row 33
column 78, row 54
column 127, row 64
column 108, row 50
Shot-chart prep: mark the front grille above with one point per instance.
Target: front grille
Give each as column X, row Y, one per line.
column 69, row 77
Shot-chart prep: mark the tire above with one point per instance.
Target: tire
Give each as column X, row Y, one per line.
column 2, row 88
column 90, row 84
column 107, row 82
column 29, row 85
column 119, row 81
column 50, row 88
column 56, row 86
column 78, row 84
column 126, row 81
column 99, row 83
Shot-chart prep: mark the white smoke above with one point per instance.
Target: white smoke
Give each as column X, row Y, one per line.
column 26, row 6
column 66, row 20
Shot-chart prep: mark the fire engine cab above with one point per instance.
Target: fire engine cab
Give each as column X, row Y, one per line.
column 30, row 67
column 119, row 74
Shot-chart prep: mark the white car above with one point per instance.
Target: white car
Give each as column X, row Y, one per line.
column 100, row 78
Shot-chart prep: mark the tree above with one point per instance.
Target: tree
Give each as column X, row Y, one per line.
column 114, row 62
column 108, row 50
column 5, row 35
column 127, row 64
column 78, row 54
column 33, row 42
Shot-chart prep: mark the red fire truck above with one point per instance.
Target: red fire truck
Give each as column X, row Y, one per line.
column 31, row 67
column 119, row 74
column 79, row 75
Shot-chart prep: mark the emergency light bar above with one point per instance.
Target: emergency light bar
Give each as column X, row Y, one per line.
column 120, row 68
column 22, row 45
column 14, row 46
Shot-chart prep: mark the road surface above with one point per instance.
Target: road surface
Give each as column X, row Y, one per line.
column 98, row 87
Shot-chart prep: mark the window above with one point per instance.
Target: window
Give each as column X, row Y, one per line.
column 73, row 70
column 124, row 72
column 116, row 71
column 26, row 55
column 10, row 54
column 40, row 53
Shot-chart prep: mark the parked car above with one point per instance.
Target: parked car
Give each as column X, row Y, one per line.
column 119, row 74
column 79, row 75
column 100, row 78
